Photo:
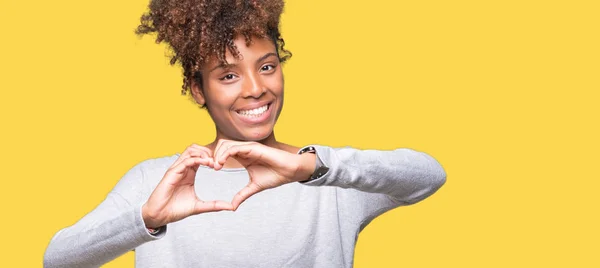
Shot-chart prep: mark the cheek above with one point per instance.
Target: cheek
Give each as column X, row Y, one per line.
column 220, row 100
column 222, row 96
column 275, row 83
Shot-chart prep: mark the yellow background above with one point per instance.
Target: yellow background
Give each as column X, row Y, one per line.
column 502, row 93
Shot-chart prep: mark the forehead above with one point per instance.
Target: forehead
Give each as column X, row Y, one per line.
column 247, row 54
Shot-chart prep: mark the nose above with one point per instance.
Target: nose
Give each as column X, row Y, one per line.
column 253, row 86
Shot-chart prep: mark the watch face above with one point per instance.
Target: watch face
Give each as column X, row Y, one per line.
column 308, row 150
column 322, row 170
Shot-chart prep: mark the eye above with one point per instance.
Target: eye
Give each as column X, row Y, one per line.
column 267, row 67
column 227, row 77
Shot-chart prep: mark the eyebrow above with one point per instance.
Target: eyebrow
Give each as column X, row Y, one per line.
column 266, row 56
column 223, row 65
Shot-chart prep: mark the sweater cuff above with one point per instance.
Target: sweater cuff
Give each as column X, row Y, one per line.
column 141, row 230
column 322, row 166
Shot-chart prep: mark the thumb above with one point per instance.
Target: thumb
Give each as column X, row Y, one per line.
column 245, row 193
column 211, row 206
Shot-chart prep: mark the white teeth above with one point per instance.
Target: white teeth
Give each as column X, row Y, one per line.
column 254, row 112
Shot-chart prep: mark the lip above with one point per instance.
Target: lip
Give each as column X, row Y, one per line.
column 256, row 120
column 253, row 105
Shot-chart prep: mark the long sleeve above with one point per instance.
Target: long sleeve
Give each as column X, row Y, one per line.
column 110, row 230
column 373, row 181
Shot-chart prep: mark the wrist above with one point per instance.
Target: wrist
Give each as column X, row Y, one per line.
column 307, row 166
column 314, row 164
column 149, row 221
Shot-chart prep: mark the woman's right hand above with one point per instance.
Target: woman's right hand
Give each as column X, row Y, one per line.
column 175, row 197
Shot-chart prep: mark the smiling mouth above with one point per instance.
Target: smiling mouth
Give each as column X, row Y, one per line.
column 256, row 112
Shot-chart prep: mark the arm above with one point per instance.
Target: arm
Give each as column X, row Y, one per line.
column 119, row 223
column 110, row 230
column 405, row 175
column 383, row 179
column 401, row 176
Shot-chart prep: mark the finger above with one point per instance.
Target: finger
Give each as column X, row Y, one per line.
column 191, row 154
column 253, row 151
column 219, row 145
column 205, row 153
column 211, row 206
column 247, row 151
column 202, row 148
column 191, row 162
column 248, row 191
column 223, row 146
column 194, row 150
column 175, row 175
column 182, row 156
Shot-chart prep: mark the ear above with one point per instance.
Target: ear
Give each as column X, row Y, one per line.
column 197, row 93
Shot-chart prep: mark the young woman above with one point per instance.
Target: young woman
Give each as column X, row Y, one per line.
column 302, row 207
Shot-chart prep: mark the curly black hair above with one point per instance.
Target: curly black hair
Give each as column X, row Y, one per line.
column 197, row 30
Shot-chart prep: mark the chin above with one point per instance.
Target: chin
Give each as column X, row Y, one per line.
column 257, row 135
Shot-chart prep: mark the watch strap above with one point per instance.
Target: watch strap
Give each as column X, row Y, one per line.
column 320, row 168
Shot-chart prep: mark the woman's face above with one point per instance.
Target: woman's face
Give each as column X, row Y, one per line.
column 244, row 98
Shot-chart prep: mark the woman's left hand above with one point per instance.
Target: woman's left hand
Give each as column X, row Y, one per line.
column 268, row 167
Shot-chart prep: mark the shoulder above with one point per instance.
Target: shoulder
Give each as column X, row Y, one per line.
column 156, row 165
column 140, row 178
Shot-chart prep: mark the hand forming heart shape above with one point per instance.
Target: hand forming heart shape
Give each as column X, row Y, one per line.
column 174, row 198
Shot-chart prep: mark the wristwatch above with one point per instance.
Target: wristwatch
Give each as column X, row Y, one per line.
column 156, row 231
column 320, row 168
